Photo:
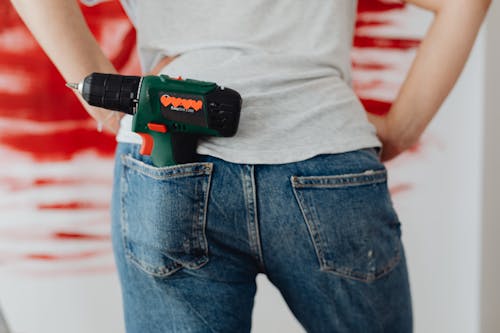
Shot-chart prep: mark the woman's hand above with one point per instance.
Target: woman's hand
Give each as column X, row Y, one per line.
column 391, row 146
column 108, row 121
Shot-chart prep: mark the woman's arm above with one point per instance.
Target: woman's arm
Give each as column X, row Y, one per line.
column 61, row 30
column 439, row 61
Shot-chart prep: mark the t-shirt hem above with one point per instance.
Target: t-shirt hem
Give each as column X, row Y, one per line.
column 286, row 156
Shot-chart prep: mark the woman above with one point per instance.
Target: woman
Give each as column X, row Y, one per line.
column 299, row 194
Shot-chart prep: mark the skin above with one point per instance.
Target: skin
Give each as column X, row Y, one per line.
column 61, row 30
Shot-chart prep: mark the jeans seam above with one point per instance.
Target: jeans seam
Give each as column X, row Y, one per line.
column 184, row 300
column 123, row 226
column 203, row 241
column 251, row 209
column 256, row 220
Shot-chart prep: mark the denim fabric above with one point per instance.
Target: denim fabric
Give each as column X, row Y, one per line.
column 190, row 239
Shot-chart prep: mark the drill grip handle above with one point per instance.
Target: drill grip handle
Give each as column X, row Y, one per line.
column 184, row 147
column 168, row 149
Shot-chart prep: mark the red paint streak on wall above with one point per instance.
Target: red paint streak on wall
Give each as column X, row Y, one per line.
column 363, row 23
column 379, row 5
column 42, row 182
column 78, row 236
column 61, row 145
column 16, row 184
column 71, row 256
column 386, row 43
column 42, row 235
column 369, row 85
column 383, row 43
column 377, row 107
column 73, row 205
column 374, row 6
column 400, row 188
column 371, row 66
column 416, row 148
column 47, row 272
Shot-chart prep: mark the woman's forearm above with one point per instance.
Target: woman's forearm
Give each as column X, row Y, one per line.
column 62, row 32
column 439, row 61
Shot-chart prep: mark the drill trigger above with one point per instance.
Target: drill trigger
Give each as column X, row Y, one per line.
column 157, row 127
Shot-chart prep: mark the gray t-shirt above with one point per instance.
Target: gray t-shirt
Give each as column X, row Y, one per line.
column 289, row 60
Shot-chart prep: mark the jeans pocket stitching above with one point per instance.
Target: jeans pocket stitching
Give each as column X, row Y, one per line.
column 201, row 226
column 351, row 179
column 168, row 172
column 313, row 231
column 310, row 214
column 168, row 269
column 368, row 277
column 142, row 265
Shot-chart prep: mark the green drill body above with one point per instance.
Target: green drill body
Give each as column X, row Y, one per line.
column 169, row 114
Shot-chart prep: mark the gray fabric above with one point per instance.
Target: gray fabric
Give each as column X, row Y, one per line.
column 289, row 59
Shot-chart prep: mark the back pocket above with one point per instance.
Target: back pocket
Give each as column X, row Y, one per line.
column 353, row 226
column 163, row 215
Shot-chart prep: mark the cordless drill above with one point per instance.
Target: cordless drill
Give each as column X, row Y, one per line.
column 169, row 114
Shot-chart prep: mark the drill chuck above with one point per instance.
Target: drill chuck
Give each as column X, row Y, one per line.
column 111, row 91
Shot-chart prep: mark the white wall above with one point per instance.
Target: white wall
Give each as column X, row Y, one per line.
column 490, row 289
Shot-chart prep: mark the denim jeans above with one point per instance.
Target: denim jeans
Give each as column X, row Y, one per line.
column 190, row 239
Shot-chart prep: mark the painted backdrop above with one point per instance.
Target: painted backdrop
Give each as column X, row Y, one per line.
column 56, row 265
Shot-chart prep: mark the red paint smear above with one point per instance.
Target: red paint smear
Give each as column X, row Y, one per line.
column 72, row 205
column 370, row 66
column 42, row 107
column 61, row 146
column 363, row 86
column 364, row 23
column 30, row 235
column 79, row 236
column 378, row 6
column 16, row 184
column 375, row 6
column 400, row 188
column 61, row 273
column 362, row 41
column 377, row 107
column 385, row 43
column 72, row 256
column 128, row 48
column 41, row 182
column 416, row 148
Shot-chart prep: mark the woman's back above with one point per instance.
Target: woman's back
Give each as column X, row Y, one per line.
column 290, row 61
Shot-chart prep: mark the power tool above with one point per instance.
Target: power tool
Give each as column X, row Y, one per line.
column 170, row 114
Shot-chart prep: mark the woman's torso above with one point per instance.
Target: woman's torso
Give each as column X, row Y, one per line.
column 289, row 60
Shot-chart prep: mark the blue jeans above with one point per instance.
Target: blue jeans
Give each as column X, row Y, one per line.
column 190, row 239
